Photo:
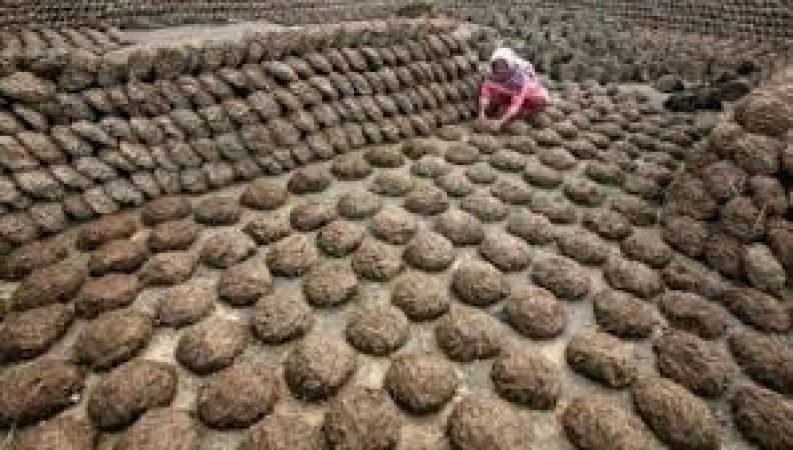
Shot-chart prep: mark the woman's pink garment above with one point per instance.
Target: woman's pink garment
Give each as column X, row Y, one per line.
column 530, row 97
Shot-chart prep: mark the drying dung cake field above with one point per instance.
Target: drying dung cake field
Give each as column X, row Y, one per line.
column 277, row 236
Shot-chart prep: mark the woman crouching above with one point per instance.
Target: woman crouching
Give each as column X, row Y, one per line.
column 511, row 86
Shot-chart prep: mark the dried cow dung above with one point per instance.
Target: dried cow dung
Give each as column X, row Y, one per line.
column 211, row 345
column 105, row 293
column 162, row 429
column 421, row 383
column 268, row 228
column 312, row 214
column 106, row 229
column 243, row 283
column 113, row 338
column 376, row 261
column 478, row 422
column 608, row 223
column 562, row 276
column 309, row 180
column 165, row 209
column 283, row 432
column 358, row 204
column 479, row 283
column 757, row 309
column 466, row 334
column 676, row 415
column 427, row 200
column 218, row 210
column 377, row 329
column 764, row 113
column 362, row 418
column 535, row 312
column 130, row 390
column 238, row 396
column 281, row 317
column 648, row 249
column 185, row 304
column 385, row 157
column 264, row 194
column 597, row 423
column 224, row 249
column 122, row 256
column 421, row 297
column 30, row 333
column 292, row 256
column 692, row 313
column 316, row 369
column 583, row 246
column 26, row 87
column 17, row 229
column 62, row 433
column 392, row 183
column 330, row 284
column 393, row 225
column 455, row 183
column 765, row 358
column 340, row 238
column 633, row 277
column 623, row 315
column 173, row 235
column 430, row 166
column 701, row 366
column 38, row 390
column 541, row 176
column 485, row 207
column 603, row 358
column 764, row 417
column 460, row 227
column 351, row 166
column 505, row 251
column 429, row 251
column 169, row 268
column 527, row 379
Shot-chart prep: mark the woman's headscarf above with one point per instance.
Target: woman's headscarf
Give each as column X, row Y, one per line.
column 517, row 65
column 507, row 54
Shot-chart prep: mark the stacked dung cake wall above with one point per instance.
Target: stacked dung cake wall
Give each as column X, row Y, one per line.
column 173, row 12
column 730, row 207
column 763, row 19
column 594, row 43
column 755, row 19
column 85, row 134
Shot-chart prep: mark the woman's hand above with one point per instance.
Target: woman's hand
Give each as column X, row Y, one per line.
column 489, row 125
column 496, row 125
column 485, row 124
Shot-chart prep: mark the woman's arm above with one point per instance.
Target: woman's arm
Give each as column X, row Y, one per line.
column 483, row 104
column 486, row 92
column 515, row 104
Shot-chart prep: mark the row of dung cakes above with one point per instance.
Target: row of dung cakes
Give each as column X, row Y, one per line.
column 24, row 46
column 749, row 19
column 578, row 45
column 755, row 19
column 75, row 155
column 731, row 207
column 285, row 13
column 146, row 13
column 583, row 46
column 259, row 58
